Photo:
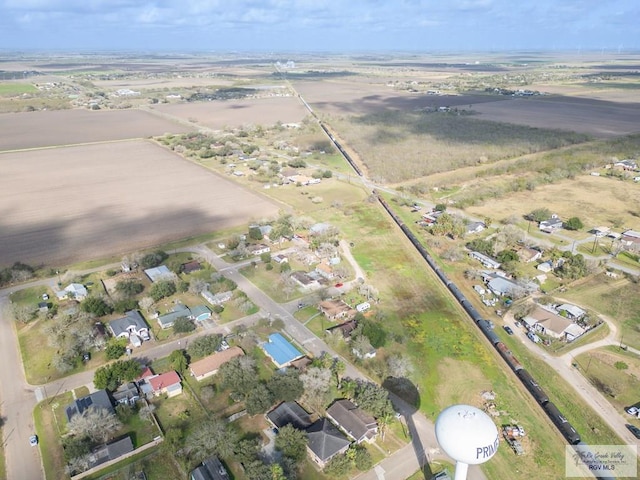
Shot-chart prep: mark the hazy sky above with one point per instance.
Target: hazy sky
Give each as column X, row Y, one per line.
column 320, row 25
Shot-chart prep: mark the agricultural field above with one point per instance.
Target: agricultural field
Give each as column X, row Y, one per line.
column 97, row 200
column 31, row 130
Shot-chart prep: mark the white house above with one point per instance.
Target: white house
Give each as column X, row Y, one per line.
column 76, row 291
column 485, row 260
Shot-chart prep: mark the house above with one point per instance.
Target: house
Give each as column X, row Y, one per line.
column 258, row 249
column 571, row 311
column 200, row 313
column 358, row 425
column 99, row 399
column 367, row 351
column 501, row 286
column 627, row 165
column 218, row 298
column 126, row 394
column 549, row 323
column 43, row 307
column 210, row 364
column 551, row 225
column 485, row 260
column 280, row 258
column 190, row 267
column 168, row 383
column 111, row 451
column 75, row 291
column 162, row 272
column 545, row 267
column 280, row 351
column 336, row 309
column 132, row 327
column 528, row 255
column 600, row 231
column 630, row 237
column 304, row 280
column 325, row 441
column 325, row 270
column 319, row 228
column 345, row 328
column 168, row 319
column 475, row 227
column 303, row 180
column 301, row 363
column 289, row 413
column 210, row 469
column 363, row 307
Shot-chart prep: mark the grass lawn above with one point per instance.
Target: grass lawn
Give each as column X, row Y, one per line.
column 46, row 417
column 269, row 282
column 180, row 411
column 17, row 88
column 614, row 373
column 598, row 333
column 154, row 464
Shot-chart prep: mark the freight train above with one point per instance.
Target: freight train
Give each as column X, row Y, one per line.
column 537, row 392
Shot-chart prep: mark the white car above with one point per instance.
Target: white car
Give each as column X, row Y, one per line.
column 33, row 440
column 633, row 411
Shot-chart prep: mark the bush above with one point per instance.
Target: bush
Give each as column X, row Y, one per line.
column 362, row 459
column 115, row 348
column 574, row 223
column 183, row 325
column 154, row 259
column 129, row 288
column 162, row 289
column 96, row 306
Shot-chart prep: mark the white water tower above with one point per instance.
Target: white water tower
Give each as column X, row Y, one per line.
column 468, row 435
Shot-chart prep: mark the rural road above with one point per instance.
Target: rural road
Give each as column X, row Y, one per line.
column 23, row 461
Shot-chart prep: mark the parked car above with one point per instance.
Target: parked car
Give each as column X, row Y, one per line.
column 517, row 323
column 633, row 429
column 33, row 440
column 633, row 411
column 508, row 329
column 45, row 296
column 533, row 337
column 338, row 285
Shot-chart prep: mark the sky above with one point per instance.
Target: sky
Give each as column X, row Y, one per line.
column 320, row 25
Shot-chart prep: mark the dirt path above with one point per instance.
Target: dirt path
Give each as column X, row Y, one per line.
column 352, row 261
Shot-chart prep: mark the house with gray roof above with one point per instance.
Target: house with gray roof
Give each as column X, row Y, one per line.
column 111, row 451
column 485, row 260
column 200, row 313
column 168, row 319
column 210, row 469
column 325, row 441
column 289, row 413
column 162, row 272
column 132, row 327
column 218, row 298
column 99, row 399
column 358, row 425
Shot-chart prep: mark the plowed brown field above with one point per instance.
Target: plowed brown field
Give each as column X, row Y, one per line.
column 67, row 204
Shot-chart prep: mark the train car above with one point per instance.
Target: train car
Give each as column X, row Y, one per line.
column 453, row 288
column 471, row 310
column 533, row 387
column 561, row 423
column 508, row 356
column 488, row 332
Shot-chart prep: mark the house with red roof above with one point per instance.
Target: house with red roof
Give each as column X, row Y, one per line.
column 165, row 383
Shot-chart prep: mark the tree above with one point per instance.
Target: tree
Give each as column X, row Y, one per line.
column 197, row 286
column 153, row 259
column 375, row 333
column 539, row 215
column 146, row 303
column 213, row 436
column 162, row 289
column 255, row 233
column 178, row 360
column 258, row 400
column 440, row 207
column 95, row 423
column 286, row 386
column 265, row 257
column 239, row 375
column 574, row 223
column 317, row 382
column 125, row 304
column 146, row 412
column 205, row 345
column 399, row 366
column 115, row 374
column 129, row 288
column 24, row 313
column 338, row 466
column 183, row 325
column 374, row 399
column 507, row 256
column 292, row 442
column 115, row 348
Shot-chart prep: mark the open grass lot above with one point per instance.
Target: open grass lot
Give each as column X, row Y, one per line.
column 11, row 89
column 218, row 115
column 68, row 127
column 45, row 417
column 116, row 197
column 615, row 373
column 619, row 299
column 596, row 200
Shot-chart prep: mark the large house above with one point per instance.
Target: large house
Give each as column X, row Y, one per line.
column 280, row 351
column 336, row 310
column 132, row 327
column 210, row 365
column 358, row 425
column 99, row 399
column 325, row 441
column 289, row 413
column 210, row 469
column 549, row 323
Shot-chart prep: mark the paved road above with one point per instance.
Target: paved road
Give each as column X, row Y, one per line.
column 18, row 403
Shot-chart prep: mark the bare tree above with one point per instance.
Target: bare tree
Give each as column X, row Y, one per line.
column 197, row 286
column 146, row 412
column 399, row 366
column 146, row 303
column 96, row 423
column 317, row 382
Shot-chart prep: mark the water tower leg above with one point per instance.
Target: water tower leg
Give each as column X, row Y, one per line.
column 461, row 471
